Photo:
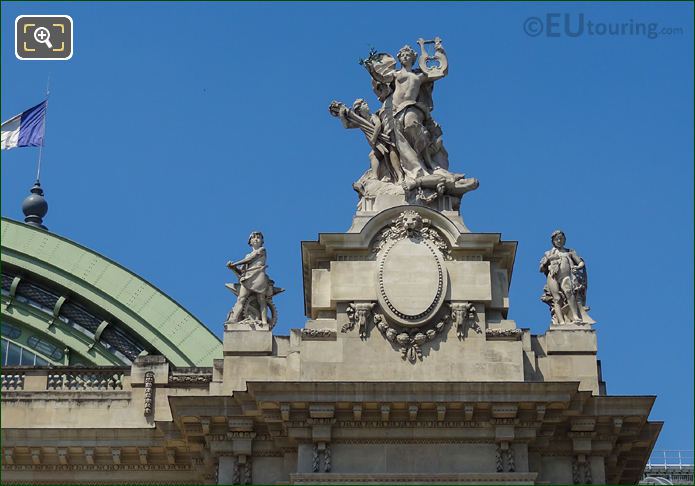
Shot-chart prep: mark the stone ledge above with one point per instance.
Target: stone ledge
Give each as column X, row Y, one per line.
column 413, row 478
column 61, row 395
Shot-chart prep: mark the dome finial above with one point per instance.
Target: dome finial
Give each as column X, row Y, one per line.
column 35, row 206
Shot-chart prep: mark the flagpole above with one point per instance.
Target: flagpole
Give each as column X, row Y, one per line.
column 45, row 115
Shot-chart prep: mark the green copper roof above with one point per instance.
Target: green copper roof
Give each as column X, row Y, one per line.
column 119, row 296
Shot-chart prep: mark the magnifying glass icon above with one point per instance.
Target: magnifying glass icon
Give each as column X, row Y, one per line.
column 43, row 36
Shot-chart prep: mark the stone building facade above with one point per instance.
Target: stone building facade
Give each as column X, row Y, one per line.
column 476, row 400
column 408, row 369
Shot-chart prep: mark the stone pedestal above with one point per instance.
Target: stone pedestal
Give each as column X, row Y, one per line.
column 247, row 339
column 568, row 353
column 571, row 340
column 371, row 206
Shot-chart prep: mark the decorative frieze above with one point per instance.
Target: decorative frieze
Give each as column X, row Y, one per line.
column 239, row 424
column 512, row 334
column 240, row 435
column 190, row 380
column 428, row 424
column 318, row 334
column 269, row 453
column 433, row 440
column 96, row 467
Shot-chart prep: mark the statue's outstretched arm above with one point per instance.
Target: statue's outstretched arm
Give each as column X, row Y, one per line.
column 245, row 260
column 344, row 113
column 344, row 118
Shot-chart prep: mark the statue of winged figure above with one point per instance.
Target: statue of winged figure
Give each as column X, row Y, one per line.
column 407, row 146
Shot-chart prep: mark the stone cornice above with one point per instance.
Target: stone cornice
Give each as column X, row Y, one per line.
column 430, row 478
column 97, row 467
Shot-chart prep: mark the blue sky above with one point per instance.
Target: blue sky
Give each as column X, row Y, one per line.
column 176, row 129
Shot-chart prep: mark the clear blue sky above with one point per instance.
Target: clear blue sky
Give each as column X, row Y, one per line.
column 176, row 129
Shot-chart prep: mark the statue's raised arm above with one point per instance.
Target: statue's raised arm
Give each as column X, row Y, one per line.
column 441, row 67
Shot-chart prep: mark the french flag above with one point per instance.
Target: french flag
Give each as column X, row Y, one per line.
column 26, row 129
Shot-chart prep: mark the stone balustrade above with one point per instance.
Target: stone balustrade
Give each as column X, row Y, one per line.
column 65, row 379
column 85, row 380
column 12, row 380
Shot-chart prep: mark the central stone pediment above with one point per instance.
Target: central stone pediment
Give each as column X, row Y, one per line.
column 406, row 270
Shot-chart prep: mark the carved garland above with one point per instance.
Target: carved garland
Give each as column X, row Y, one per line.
column 410, row 341
column 504, row 333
